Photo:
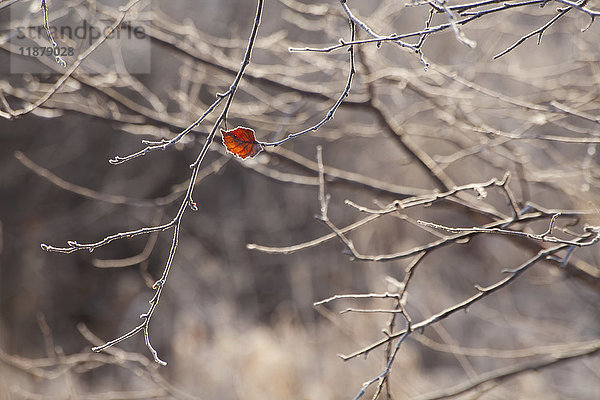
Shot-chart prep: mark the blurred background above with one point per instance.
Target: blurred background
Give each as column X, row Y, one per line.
column 237, row 322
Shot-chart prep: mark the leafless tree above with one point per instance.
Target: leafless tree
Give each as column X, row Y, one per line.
column 455, row 170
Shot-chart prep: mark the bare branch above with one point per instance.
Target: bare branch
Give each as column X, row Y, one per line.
column 509, row 372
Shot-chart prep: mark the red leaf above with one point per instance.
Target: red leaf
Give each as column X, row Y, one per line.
column 241, row 142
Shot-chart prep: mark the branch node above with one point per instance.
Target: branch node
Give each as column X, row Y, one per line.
column 158, row 284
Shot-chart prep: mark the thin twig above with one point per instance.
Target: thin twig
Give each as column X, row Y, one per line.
column 481, row 293
column 509, row 372
column 426, row 31
column 176, row 221
column 59, row 60
column 540, row 32
column 541, row 237
column 330, row 114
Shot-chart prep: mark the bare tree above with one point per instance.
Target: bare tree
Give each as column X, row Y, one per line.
column 459, row 174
